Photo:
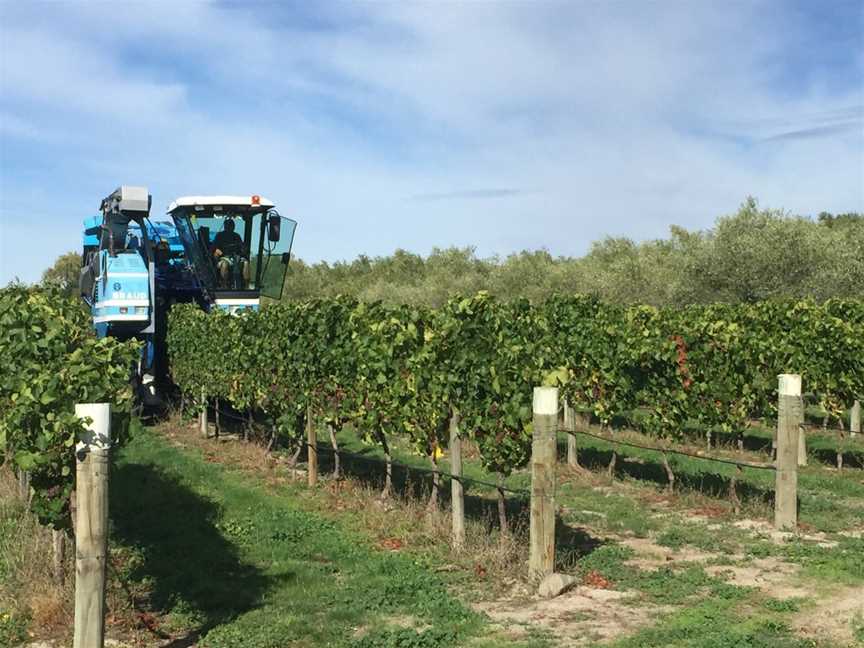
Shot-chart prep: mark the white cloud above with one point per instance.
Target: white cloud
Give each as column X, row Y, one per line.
column 581, row 119
column 44, row 68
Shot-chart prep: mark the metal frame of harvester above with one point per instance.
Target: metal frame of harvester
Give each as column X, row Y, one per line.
column 134, row 269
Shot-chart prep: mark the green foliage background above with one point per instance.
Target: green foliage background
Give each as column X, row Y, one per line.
column 64, row 274
column 753, row 255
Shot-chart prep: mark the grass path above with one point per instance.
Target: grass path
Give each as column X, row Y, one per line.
column 223, row 558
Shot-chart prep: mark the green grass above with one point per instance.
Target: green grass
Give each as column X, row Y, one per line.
column 699, row 536
column 217, row 554
column 858, row 629
column 605, row 512
column 13, row 628
column 842, row 564
column 718, row 623
column 672, row 585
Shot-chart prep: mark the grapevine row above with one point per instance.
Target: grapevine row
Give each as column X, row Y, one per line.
column 403, row 370
column 51, row 361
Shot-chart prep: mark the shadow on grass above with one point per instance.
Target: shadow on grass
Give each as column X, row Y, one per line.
column 571, row 544
column 852, row 457
column 760, row 440
column 750, row 441
column 189, row 567
column 361, row 464
column 701, row 481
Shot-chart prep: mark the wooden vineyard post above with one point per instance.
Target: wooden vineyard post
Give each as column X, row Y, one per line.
column 802, row 439
column 789, row 418
column 58, row 551
column 541, row 557
column 91, row 524
column 24, row 486
column 202, row 417
column 570, row 426
column 311, row 448
column 733, row 490
column 855, row 419
column 432, row 505
column 337, row 459
column 457, row 492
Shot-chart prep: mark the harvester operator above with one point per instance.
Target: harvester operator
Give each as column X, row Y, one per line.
column 228, row 250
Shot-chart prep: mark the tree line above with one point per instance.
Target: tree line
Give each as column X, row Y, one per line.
column 750, row 256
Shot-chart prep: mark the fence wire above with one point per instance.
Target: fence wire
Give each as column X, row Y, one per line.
column 425, row 471
column 732, row 462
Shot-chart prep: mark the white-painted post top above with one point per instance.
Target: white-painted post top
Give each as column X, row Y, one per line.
column 546, row 400
column 98, row 435
column 789, row 384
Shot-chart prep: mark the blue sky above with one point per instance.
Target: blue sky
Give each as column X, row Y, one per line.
column 503, row 125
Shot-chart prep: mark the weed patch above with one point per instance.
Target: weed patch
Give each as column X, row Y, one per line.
column 715, row 623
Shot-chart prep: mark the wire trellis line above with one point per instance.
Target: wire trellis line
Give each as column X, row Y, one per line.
column 732, row 462
column 419, row 469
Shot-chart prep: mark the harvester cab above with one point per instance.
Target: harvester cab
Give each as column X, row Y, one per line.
column 238, row 247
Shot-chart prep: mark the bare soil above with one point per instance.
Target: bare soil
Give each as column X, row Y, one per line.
column 580, row 617
column 650, row 555
column 832, row 616
column 776, row 578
